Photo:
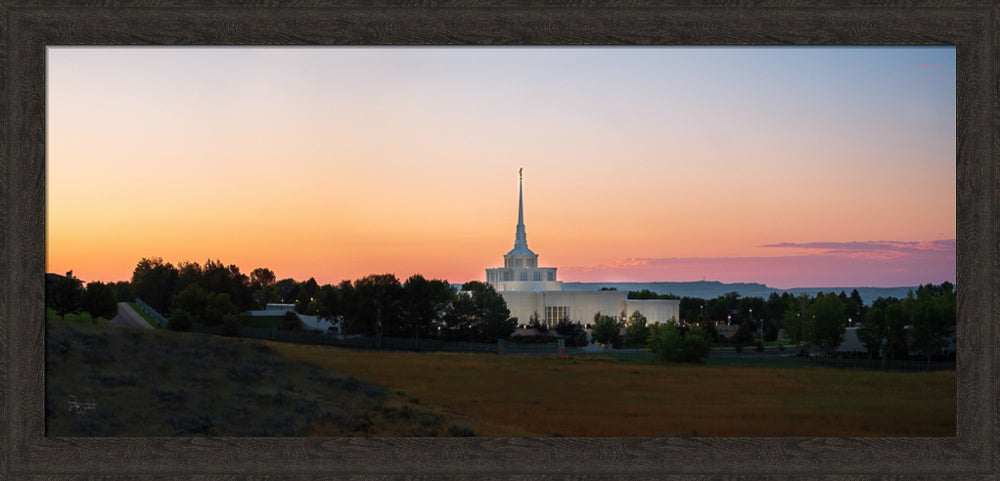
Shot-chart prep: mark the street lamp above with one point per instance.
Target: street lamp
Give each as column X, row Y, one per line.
column 802, row 328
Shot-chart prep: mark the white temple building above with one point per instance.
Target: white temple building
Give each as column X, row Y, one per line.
column 530, row 290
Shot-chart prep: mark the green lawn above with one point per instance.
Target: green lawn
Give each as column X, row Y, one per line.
column 77, row 317
column 262, row 321
column 147, row 317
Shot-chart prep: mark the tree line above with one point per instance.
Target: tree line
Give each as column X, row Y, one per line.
column 377, row 305
column 921, row 324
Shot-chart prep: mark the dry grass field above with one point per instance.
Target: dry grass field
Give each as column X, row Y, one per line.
column 543, row 396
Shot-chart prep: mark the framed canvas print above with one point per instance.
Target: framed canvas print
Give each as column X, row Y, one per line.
column 499, row 240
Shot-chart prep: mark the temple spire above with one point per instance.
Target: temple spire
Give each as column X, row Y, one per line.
column 521, row 239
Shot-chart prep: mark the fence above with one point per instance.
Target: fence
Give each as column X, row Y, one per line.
column 152, row 312
column 512, row 348
column 365, row 342
column 835, row 362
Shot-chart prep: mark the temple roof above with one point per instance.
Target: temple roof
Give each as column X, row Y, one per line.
column 520, row 237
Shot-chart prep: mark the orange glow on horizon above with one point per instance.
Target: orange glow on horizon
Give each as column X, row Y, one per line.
column 321, row 163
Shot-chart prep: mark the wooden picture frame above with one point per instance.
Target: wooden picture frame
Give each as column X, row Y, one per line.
column 30, row 26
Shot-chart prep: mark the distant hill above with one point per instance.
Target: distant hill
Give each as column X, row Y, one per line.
column 711, row 289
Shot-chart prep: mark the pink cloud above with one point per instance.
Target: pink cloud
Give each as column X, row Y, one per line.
column 822, row 264
column 871, row 249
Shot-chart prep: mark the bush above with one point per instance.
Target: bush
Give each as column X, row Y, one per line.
column 359, row 422
column 231, row 325
column 670, row 344
column 61, row 344
column 81, row 317
column 180, row 320
column 771, row 332
column 742, row 336
column 430, row 419
column 460, row 431
column 291, row 322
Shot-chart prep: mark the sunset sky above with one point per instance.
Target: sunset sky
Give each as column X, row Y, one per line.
column 790, row 166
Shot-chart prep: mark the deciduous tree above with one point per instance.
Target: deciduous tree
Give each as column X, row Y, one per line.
column 636, row 330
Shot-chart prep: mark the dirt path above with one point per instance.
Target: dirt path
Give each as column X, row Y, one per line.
column 127, row 317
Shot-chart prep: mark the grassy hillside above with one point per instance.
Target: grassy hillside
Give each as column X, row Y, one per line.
column 546, row 395
column 163, row 383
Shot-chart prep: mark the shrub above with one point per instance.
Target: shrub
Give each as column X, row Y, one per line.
column 771, row 332
column 460, row 431
column 81, row 317
column 742, row 336
column 180, row 320
column 61, row 344
column 291, row 322
column 359, row 422
column 430, row 419
column 336, row 416
column 405, row 412
column 670, row 344
column 231, row 325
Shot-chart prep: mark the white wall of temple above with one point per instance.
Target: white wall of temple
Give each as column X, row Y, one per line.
column 582, row 305
column 657, row 311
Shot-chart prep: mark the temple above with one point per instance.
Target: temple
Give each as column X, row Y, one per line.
column 520, row 271
column 534, row 292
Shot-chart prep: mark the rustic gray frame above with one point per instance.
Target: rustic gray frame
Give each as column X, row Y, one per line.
column 28, row 26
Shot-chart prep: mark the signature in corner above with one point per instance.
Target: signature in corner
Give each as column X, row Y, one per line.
column 80, row 408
